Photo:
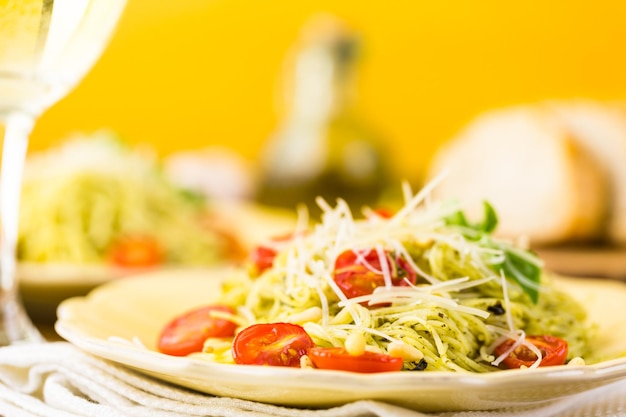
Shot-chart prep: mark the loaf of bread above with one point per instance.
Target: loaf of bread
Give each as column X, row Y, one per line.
column 600, row 130
column 554, row 171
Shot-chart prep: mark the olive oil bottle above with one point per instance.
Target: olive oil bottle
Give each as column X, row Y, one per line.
column 323, row 147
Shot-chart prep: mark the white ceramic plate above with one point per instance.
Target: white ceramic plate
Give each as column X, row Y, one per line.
column 140, row 306
column 44, row 286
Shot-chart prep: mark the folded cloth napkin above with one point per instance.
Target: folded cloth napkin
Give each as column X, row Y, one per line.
column 59, row 380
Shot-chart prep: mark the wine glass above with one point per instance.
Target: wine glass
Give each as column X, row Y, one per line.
column 46, row 47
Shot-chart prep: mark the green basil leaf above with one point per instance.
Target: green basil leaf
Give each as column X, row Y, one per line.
column 490, row 221
column 527, row 274
column 487, row 225
column 456, row 219
column 518, row 265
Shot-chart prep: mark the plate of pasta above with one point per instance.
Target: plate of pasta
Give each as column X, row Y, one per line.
column 421, row 308
column 97, row 208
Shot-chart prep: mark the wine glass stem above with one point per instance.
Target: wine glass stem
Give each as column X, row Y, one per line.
column 15, row 325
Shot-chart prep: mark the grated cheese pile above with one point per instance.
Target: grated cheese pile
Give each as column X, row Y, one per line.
column 461, row 307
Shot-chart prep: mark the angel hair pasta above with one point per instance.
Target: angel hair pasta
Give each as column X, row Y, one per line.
column 81, row 198
column 423, row 284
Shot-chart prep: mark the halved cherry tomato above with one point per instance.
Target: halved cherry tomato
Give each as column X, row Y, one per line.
column 262, row 258
column 338, row 358
column 136, row 252
column 358, row 274
column 186, row 333
column 383, row 212
column 276, row 344
column 552, row 348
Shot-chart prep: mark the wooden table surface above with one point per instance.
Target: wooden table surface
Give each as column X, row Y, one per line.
column 598, row 262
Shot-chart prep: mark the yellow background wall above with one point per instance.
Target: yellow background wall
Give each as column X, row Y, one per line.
column 191, row 73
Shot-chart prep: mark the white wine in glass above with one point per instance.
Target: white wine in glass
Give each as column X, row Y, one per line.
column 46, row 47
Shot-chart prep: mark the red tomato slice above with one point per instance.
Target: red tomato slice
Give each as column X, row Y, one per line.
column 276, row 344
column 552, row 348
column 186, row 333
column 339, row 359
column 384, row 212
column 358, row 274
column 136, row 252
column 262, row 258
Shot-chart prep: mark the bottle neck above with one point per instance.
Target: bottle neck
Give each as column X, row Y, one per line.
column 321, row 86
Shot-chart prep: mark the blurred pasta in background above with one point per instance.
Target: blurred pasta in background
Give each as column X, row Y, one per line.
column 97, row 201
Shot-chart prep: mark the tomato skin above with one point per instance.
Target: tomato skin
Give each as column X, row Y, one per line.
column 136, row 252
column 384, row 212
column 339, row 359
column 553, row 349
column 186, row 333
column 275, row 344
column 355, row 277
column 262, row 258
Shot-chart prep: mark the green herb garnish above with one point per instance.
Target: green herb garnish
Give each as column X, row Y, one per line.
column 520, row 265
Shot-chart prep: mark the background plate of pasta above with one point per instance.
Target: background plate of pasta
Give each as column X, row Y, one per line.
column 95, row 208
column 422, row 307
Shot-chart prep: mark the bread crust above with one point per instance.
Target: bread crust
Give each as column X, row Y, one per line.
column 544, row 185
column 600, row 130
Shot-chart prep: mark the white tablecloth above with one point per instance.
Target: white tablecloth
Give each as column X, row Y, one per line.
column 59, row 380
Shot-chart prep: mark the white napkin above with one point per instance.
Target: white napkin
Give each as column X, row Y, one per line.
column 59, row 380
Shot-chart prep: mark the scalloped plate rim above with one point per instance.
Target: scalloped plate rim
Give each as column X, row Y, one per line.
column 191, row 371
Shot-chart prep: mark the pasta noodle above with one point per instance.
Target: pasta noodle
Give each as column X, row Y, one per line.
column 78, row 199
column 465, row 299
